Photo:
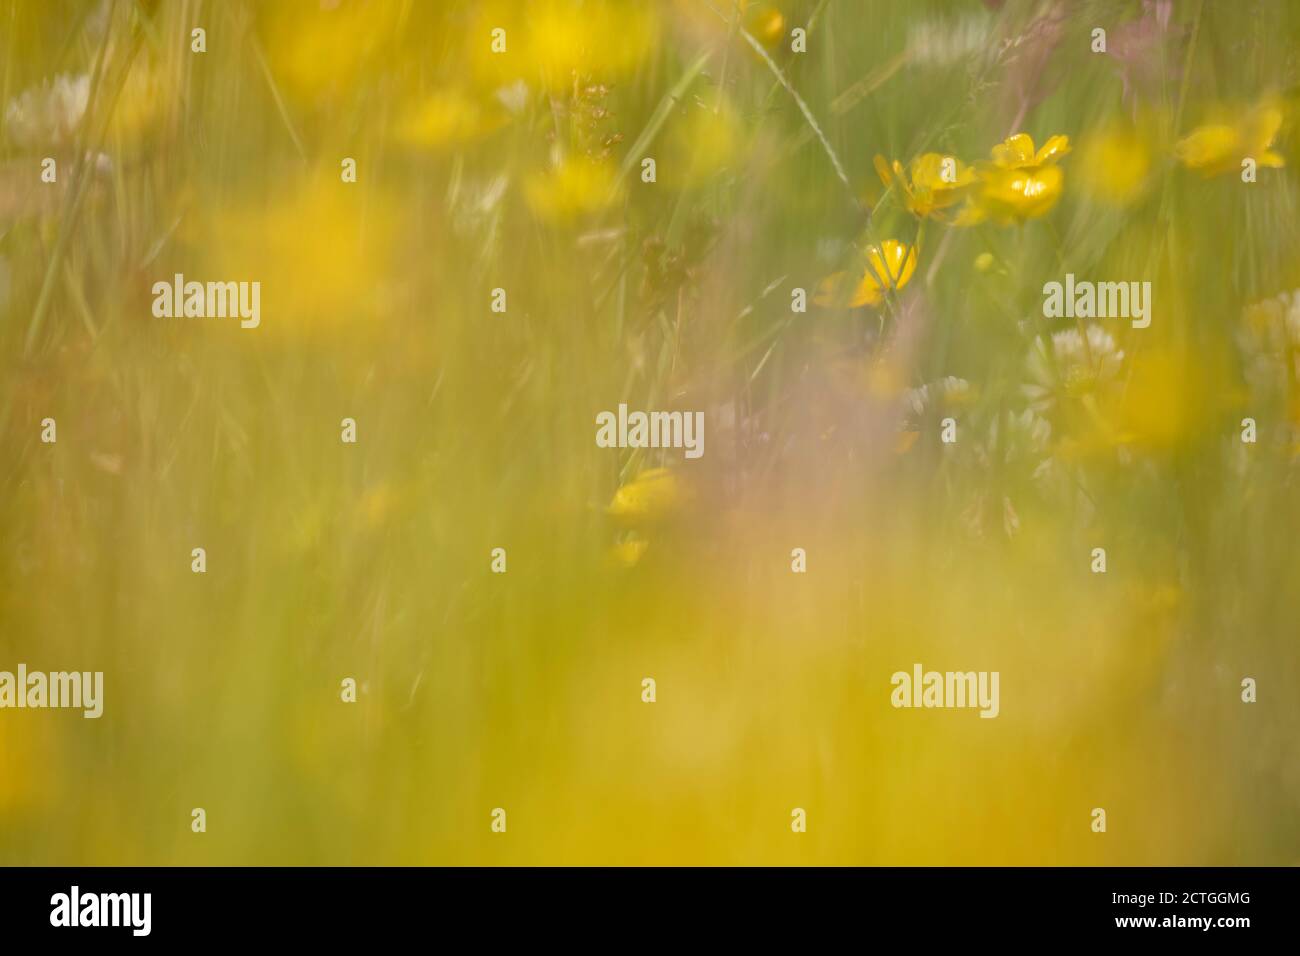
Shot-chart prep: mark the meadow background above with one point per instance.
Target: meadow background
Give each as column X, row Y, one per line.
column 476, row 430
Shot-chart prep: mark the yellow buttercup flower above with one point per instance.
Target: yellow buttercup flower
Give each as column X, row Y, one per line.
column 1017, row 152
column 893, row 263
column 651, row 497
column 1020, row 183
column 1014, row 195
column 932, row 186
column 1217, row 148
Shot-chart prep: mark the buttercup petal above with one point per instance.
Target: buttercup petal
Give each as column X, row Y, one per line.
column 883, row 171
column 1015, row 151
column 1053, row 149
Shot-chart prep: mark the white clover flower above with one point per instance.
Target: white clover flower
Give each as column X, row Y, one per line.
column 49, row 114
column 948, row 392
column 514, row 97
column 1078, row 368
column 1018, row 438
column 1270, row 339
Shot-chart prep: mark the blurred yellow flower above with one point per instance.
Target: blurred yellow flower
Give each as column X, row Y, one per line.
column 318, row 50
column 327, row 258
column 446, row 117
column 1217, row 148
column 589, row 38
column 651, row 497
column 554, row 41
column 880, row 381
column 576, row 187
column 139, row 106
column 766, row 22
column 905, row 440
column 1020, row 183
column 1167, row 398
column 893, row 262
column 701, row 143
column 375, row 506
column 928, row 190
column 1114, row 164
column 628, row 553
